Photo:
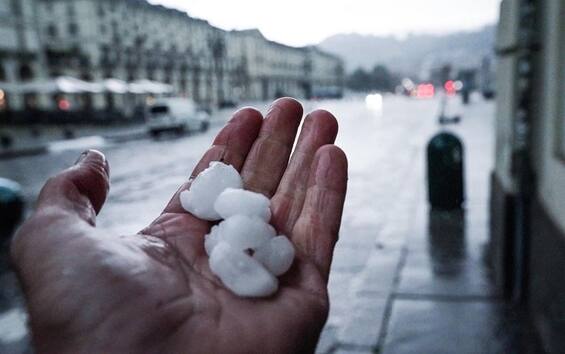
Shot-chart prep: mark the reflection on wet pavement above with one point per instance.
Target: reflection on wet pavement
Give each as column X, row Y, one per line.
column 448, row 259
column 448, row 306
column 446, row 242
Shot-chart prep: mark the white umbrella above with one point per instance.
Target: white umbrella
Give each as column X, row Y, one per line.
column 115, row 86
column 137, row 88
column 63, row 84
column 73, row 85
column 148, row 86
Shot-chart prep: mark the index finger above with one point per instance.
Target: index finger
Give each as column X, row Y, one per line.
column 231, row 146
column 269, row 155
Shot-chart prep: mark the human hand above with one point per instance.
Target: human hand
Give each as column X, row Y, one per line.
column 153, row 292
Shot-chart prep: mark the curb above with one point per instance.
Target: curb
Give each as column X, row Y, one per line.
column 38, row 150
column 11, row 154
column 139, row 134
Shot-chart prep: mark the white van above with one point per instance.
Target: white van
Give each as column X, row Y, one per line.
column 175, row 114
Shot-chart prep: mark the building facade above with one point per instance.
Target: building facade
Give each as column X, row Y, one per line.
column 21, row 56
column 133, row 40
column 265, row 69
column 527, row 247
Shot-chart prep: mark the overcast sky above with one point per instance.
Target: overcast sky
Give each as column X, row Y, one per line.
column 300, row 22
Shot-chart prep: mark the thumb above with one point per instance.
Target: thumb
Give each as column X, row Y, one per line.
column 80, row 190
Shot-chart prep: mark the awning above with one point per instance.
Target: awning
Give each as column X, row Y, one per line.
column 148, row 86
column 71, row 85
column 115, row 86
column 63, row 84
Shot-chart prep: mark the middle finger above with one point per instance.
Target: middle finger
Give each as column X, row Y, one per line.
column 268, row 158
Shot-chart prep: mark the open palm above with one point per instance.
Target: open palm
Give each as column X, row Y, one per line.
column 153, row 292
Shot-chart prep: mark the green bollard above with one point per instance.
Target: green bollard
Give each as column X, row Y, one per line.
column 446, row 187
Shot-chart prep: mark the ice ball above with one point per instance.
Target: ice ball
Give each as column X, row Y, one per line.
column 276, row 255
column 241, row 202
column 212, row 239
column 207, row 186
column 241, row 232
column 240, row 273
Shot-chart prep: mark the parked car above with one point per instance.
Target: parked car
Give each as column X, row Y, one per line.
column 175, row 114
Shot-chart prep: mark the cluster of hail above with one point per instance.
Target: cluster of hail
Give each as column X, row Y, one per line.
column 245, row 251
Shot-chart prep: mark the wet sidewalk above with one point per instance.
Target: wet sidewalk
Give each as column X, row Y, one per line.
column 409, row 280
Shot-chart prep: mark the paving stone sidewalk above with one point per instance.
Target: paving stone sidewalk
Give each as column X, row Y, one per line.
column 408, row 280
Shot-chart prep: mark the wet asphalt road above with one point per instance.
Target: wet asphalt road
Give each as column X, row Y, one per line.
column 145, row 173
column 385, row 147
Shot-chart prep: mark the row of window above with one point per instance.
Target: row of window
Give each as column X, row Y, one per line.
column 25, row 73
column 71, row 12
column 72, row 29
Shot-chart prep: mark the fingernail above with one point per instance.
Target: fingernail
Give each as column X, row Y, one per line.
column 81, row 158
column 95, row 157
column 233, row 118
column 106, row 166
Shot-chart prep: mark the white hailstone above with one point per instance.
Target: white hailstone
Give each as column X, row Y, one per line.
column 212, row 239
column 240, row 273
column 243, row 232
column 276, row 255
column 207, row 186
column 244, row 252
column 241, row 202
